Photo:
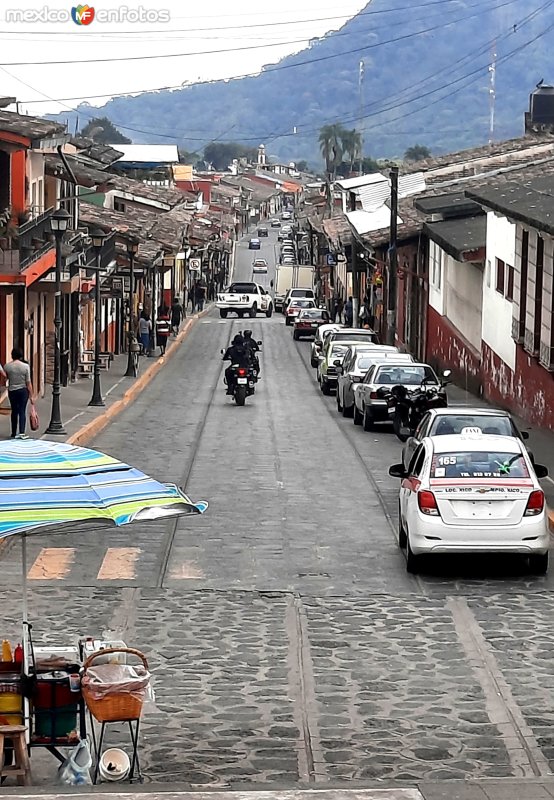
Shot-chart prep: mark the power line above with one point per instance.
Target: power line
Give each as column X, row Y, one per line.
column 114, row 59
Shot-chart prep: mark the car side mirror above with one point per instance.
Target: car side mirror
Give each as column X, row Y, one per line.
column 397, row 471
column 337, row 364
column 381, row 391
column 259, row 344
column 339, row 370
column 541, row 471
column 524, row 435
column 223, row 352
column 447, row 373
column 271, row 284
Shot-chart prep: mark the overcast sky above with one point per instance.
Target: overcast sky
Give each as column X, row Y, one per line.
column 206, row 26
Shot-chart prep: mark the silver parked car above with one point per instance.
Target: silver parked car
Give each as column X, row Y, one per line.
column 369, row 406
column 445, row 421
column 357, row 360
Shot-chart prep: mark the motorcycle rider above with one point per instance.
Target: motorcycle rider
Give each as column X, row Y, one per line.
column 252, row 347
column 238, row 355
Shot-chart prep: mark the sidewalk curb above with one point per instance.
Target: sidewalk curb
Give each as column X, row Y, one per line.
column 92, row 428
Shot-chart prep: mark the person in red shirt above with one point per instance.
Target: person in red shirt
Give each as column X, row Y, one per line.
column 163, row 329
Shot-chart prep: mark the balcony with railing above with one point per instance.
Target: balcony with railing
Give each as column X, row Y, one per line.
column 21, row 245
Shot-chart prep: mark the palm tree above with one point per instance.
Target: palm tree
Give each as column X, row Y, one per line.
column 352, row 145
column 330, row 144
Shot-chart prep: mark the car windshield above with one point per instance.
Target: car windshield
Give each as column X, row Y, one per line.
column 242, row 288
column 407, row 376
column 338, row 350
column 481, row 464
column 455, row 423
column 302, row 304
column 312, row 313
column 301, row 293
column 365, row 362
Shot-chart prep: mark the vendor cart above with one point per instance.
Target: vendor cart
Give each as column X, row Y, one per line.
column 115, row 692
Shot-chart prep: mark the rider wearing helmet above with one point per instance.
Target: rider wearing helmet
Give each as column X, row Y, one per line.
column 252, row 347
column 239, row 356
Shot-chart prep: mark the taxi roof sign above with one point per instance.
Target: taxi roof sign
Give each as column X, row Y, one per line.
column 472, row 431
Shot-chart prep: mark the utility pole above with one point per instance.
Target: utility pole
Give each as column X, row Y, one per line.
column 492, row 93
column 393, row 258
column 355, row 275
column 361, row 93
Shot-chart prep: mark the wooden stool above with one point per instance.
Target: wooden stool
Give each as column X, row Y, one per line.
column 21, row 769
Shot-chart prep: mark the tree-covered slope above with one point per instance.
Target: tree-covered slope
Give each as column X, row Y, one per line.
column 426, row 80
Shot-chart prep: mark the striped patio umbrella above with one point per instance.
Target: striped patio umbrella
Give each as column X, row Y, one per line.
column 45, row 485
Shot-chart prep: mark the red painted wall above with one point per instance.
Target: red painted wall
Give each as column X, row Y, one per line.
column 196, row 186
column 528, row 392
column 447, row 349
column 18, row 193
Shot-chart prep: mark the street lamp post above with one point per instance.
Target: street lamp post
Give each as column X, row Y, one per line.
column 98, row 239
column 59, row 223
column 132, row 250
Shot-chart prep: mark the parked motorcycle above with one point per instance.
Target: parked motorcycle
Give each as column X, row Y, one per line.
column 408, row 408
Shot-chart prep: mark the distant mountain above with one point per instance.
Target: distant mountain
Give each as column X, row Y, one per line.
column 430, row 86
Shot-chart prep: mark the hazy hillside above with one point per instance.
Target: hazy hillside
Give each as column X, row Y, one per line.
column 400, row 76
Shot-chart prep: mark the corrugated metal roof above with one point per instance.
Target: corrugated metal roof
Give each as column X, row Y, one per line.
column 148, row 153
column 366, row 221
column 348, row 184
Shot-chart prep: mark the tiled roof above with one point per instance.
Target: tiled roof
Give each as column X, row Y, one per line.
column 160, row 194
column 529, row 201
column 104, row 154
column 86, row 175
column 459, row 237
column 337, row 230
column 31, row 127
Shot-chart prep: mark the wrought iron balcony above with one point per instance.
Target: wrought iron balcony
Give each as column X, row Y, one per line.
column 35, row 238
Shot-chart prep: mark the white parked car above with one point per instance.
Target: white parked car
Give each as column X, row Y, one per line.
column 244, row 298
column 317, row 345
column 472, row 493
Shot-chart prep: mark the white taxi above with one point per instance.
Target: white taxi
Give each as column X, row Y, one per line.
column 472, row 493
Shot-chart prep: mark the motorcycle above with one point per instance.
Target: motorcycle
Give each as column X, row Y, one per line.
column 245, row 380
column 408, row 408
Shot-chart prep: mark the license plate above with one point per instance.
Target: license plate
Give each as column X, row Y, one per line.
column 242, row 380
column 314, row 325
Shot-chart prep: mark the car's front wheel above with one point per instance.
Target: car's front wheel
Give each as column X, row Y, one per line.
column 295, row 336
column 253, row 311
column 347, row 411
column 538, row 563
column 269, row 311
column 339, row 404
column 223, row 313
column 358, row 416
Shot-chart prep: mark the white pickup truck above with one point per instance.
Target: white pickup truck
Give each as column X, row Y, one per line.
column 245, row 298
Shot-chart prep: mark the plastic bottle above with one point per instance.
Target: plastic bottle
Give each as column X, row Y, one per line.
column 18, row 654
column 6, row 651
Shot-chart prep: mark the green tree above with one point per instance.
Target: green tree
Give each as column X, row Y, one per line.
column 302, row 166
column 103, row 131
column 417, row 152
column 330, row 144
column 187, row 157
column 221, row 154
column 351, row 145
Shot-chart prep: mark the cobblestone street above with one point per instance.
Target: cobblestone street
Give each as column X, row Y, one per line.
column 289, row 645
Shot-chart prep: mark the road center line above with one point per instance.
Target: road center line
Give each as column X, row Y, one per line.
column 523, row 751
column 311, row 760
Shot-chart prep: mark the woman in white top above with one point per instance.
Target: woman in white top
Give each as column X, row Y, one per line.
column 20, row 390
column 144, row 331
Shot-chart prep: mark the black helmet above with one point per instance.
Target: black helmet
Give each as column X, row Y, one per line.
column 247, row 334
column 237, row 339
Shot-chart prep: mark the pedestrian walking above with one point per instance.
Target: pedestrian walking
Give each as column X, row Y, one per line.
column 200, row 296
column 211, row 290
column 192, row 298
column 336, row 307
column 163, row 329
column 177, row 313
column 349, row 313
column 144, row 331
column 17, row 373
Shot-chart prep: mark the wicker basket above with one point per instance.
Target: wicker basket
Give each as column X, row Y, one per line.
column 115, row 707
